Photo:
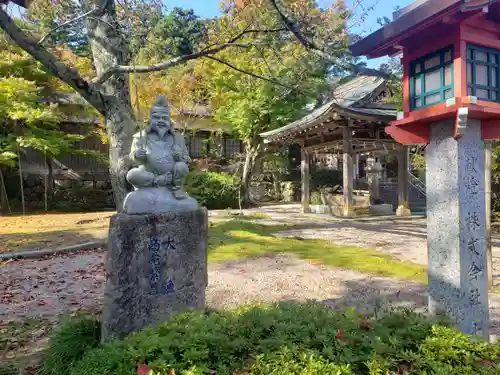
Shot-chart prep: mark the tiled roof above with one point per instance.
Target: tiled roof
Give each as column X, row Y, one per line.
column 349, row 96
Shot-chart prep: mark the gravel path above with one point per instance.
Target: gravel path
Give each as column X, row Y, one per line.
column 62, row 284
column 403, row 238
column 49, row 287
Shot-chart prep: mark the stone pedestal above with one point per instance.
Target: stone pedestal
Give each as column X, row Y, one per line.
column 456, row 226
column 403, row 163
column 373, row 174
column 304, row 178
column 348, row 171
column 156, row 266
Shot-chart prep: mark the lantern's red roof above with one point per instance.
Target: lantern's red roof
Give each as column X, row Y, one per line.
column 406, row 22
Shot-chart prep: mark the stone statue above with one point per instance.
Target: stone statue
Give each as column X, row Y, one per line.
column 162, row 158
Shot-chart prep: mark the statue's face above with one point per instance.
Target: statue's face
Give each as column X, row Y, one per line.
column 160, row 120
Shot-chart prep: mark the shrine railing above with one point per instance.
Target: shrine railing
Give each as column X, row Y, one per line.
column 417, row 183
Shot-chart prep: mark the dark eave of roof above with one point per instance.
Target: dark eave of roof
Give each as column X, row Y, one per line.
column 22, row 3
column 351, row 100
column 408, row 20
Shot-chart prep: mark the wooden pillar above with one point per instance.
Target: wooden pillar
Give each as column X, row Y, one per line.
column 348, row 171
column 305, row 178
column 487, row 193
column 403, row 161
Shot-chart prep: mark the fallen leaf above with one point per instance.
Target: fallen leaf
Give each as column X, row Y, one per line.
column 340, row 334
column 366, row 324
column 143, row 369
column 42, row 302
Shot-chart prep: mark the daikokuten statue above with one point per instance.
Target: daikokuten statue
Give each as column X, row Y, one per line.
column 162, row 158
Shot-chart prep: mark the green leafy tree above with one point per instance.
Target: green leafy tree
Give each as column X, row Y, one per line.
column 395, row 83
column 26, row 120
column 110, row 29
column 179, row 33
column 252, row 105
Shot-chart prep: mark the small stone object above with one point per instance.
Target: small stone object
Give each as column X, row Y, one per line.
column 373, row 173
column 162, row 162
column 156, row 266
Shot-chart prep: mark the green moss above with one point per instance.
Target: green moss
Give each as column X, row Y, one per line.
column 237, row 239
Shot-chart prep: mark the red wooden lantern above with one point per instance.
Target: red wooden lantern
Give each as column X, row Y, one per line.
column 451, row 61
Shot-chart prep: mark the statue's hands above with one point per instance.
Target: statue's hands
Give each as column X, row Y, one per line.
column 176, row 153
column 163, row 179
column 141, row 154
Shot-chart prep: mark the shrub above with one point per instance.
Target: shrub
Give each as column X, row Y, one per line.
column 67, row 346
column 84, row 199
column 316, row 198
column 289, row 191
column 291, row 339
column 213, row 190
column 323, row 177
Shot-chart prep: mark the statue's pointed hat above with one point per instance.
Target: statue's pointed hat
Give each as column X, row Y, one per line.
column 160, row 105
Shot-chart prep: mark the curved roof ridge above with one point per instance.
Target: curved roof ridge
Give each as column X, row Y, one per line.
column 350, row 94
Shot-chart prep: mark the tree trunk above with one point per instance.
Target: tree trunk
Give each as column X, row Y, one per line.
column 109, row 49
column 4, row 199
column 50, row 180
column 120, row 127
column 21, row 180
column 251, row 154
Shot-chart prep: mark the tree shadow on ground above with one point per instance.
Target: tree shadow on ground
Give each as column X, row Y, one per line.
column 408, row 229
column 19, row 242
column 375, row 294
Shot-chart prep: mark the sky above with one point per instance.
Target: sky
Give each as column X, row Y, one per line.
column 210, row 8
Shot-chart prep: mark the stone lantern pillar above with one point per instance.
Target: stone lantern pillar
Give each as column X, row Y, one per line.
column 451, row 104
column 373, row 175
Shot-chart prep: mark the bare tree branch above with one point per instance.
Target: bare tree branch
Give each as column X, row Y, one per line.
column 227, row 63
column 67, row 23
column 51, row 63
column 180, row 59
column 294, row 28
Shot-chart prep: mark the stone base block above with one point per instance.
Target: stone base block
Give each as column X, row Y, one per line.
column 403, row 210
column 156, row 266
column 320, row 209
column 156, row 200
column 382, row 209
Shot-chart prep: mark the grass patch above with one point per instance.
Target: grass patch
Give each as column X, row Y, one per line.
column 255, row 216
column 237, row 239
column 286, row 339
column 71, row 340
column 53, row 230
